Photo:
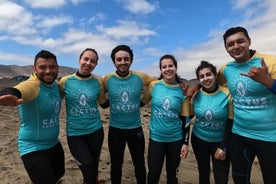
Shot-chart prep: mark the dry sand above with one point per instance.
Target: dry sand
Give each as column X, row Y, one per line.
column 12, row 171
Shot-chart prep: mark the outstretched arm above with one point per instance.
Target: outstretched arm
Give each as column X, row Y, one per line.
column 10, row 97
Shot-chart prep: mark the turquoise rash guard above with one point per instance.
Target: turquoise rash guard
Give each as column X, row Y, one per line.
column 168, row 102
column 124, row 98
column 254, row 104
column 82, row 95
column 39, row 115
column 212, row 111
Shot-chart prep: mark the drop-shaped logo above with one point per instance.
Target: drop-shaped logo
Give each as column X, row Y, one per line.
column 83, row 100
column 166, row 104
column 125, row 97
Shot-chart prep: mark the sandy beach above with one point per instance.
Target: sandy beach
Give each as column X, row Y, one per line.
column 13, row 172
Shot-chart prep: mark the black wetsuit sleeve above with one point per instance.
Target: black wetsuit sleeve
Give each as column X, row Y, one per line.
column 105, row 105
column 185, row 130
column 11, row 91
column 227, row 135
column 142, row 104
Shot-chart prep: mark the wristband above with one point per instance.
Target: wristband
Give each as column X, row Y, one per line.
column 273, row 87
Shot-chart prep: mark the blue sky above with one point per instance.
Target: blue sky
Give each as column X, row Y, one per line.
column 191, row 30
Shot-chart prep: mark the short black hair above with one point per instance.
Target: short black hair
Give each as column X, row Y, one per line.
column 234, row 30
column 46, row 55
column 124, row 48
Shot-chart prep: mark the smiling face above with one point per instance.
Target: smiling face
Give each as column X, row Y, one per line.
column 122, row 62
column 46, row 70
column 88, row 61
column 207, row 79
column 237, row 45
column 168, row 70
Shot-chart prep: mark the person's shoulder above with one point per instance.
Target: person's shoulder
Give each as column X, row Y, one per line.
column 98, row 78
column 31, row 81
column 64, row 78
column 225, row 90
column 267, row 57
column 260, row 54
column 152, row 83
column 29, row 88
column 144, row 76
column 109, row 75
column 138, row 73
column 106, row 77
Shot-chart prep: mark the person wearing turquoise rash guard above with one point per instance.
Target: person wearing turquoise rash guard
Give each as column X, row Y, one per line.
column 213, row 110
column 169, row 122
column 39, row 101
column 251, row 82
column 124, row 89
column 83, row 92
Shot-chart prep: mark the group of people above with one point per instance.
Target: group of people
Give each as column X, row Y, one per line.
column 234, row 111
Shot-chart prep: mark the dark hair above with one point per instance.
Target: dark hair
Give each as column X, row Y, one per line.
column 46, row 55
column 168, row 56
column 124, row 48
column 205, row 64
column 234, row 30
column 89, row 49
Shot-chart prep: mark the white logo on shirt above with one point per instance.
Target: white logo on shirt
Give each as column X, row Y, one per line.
column 209, row 114
column 82, row 106
column 166, row 104
column 240, row 87
column 126, row 103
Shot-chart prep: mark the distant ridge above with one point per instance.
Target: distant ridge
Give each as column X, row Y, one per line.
column 11, row 71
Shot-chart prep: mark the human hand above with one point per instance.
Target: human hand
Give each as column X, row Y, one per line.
column 260, row 74
column 184, row 86
column 184, row 151
column 10, row 100
column 192, row 91
column 220, row 154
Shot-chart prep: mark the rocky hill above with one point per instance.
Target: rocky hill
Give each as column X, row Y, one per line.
column 11, row 71
column 10, row 75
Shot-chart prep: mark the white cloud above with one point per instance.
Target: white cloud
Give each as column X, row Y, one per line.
column 97, row 17
column 49, row 22
column 45, row 3
column 76, row 40
column 24, row 27
column 24, row 60
column 14, row 19
column 261, row 30
column 238, row 4
column 126, row 29
column 75, row 2
column 138, row 7
column 153, row 51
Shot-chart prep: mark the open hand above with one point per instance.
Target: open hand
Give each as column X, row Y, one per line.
column 10, row 100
